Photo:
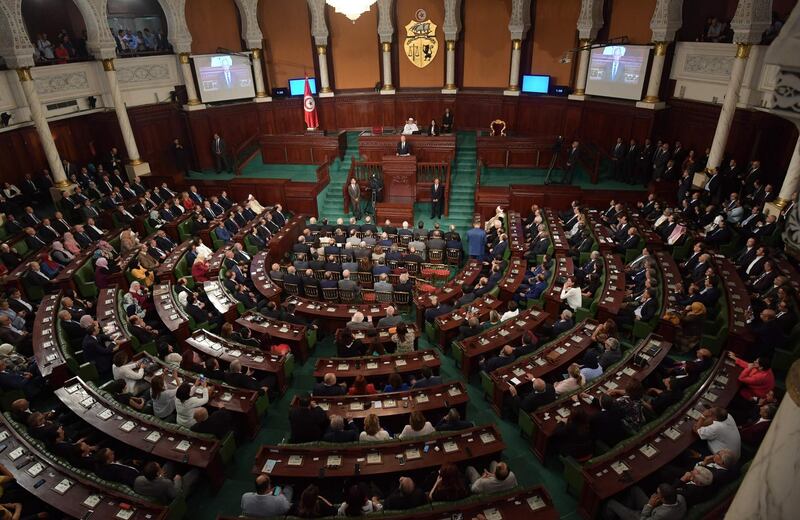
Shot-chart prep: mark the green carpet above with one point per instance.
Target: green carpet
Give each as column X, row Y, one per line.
column 275, row 427
column 536, row 177
column 256, row 169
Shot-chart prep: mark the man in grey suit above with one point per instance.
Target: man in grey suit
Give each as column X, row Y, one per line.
column 354, row 192
column 163, row 485
column 346, row 284
column 383, row 285
column 220, row 152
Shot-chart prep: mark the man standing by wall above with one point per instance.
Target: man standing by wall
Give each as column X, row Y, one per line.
column 220, row 152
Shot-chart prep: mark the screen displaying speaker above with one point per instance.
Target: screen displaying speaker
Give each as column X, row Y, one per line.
column 297, row 87
column 223, row 77
column 535, row 84
column 618, row 71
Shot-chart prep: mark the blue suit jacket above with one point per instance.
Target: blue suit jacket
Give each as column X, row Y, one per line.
column 222, row 234
column 477, row 241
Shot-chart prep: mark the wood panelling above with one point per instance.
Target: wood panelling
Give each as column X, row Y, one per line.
column 631, row 18
column 754, row 135
column 354, row 49
column 487, row 43
column 213, row 23
column 289, row 52
column 553, row 35
column 432, row 75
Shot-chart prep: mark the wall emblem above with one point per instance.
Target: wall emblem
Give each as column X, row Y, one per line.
column 421, row 43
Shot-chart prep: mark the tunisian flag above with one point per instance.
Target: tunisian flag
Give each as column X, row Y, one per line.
column 310, row 108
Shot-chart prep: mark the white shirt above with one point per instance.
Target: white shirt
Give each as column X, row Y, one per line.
column 409, row 433
column 722, row 435
column 185, row 410
column 129, row 374
column 382, row 435
column 410, row 128
column 509, row 314
column 573, row 297
column 752, row 264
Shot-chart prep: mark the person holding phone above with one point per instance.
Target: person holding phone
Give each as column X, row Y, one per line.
column 266, row 500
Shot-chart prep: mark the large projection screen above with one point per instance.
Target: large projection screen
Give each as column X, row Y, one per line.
column 223, row 77
column 618, row 71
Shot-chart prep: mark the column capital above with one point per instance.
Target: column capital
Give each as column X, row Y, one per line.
column 452, row 19
column 590, row 19
column 108, row 64
column 385, row 20
column 451, row 45
column 251, row 32
column 183, row 58
column 322, row 49
column 667, row 19
column 520, row 20
column 256, row 52
column 743, row 50
column 660, row 48
column 24, row 74
column 751, row 19
column 386, row 46
column 319, row 28
column 516, row 44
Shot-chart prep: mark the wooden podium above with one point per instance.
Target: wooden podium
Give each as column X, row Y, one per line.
column 399, row 188
column 400, row 179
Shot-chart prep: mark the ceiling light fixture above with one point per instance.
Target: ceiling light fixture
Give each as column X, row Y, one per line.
column 352, row 9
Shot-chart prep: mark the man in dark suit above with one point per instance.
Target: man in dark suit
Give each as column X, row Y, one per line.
column 660, row 161
column 607, row 425
column 572, row 162
column 220, row 153
column 437, row 199
column 542, row 393
column 629, row 167
column 109, row 468
column 98, row 349
column 217, row 423
column 329, row 387
column 403, row 147
column 644, row 163
column 341, row 430
column 617, row 159
column 307, row 421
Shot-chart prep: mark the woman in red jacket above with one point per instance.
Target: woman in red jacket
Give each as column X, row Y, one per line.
column 200, row 270
column 757, row 378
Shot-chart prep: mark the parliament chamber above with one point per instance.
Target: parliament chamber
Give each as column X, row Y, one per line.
column 402, row 259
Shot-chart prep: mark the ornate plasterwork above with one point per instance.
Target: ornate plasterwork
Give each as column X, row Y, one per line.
column 520, row 20
column 708, row 64
column 385, row 20
column 784, row 53
column 144, row 73
column 452, row 19
column 319, row 28
column 15, row 45
column 751, row 19
column 100, row 41
column 787, row 94
column 177, row 31
column 590, row 21
column 72, row 81
column 667, row 19
column 251, row 32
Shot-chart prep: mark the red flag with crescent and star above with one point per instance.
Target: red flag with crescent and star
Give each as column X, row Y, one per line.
column 310, row 108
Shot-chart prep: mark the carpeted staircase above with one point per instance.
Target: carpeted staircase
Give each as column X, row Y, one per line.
column 462, row 191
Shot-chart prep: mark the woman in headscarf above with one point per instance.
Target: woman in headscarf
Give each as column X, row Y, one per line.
column 691, row 331
column 102, row 274
column 70, row 244
column 49, row 266
column 60, row 254
column 141, row 274
column 136, row 296
column 254, row 205
column 128, row 241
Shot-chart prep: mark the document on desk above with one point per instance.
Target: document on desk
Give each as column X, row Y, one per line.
column 295, row 460
column 412, row 454
column 334, row 461
column 450, row 447
column 535, row 502
column 487, row 437
column 269, row 465
column 619, row 467
column 374, row 458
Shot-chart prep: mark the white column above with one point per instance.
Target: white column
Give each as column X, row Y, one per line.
column 790, row 186
column 193, row 102
column 728, row 106
column 258, row 76
column 450, row 76
column 135, row 166
column 386, row 54
column 656, row 71
column 583, row 69
column 769, row 489
column 324, row 81
column 513, row 80
column 43, row 129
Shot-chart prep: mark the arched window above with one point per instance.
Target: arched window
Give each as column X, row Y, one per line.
column 56, row 29
column 139, row 27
